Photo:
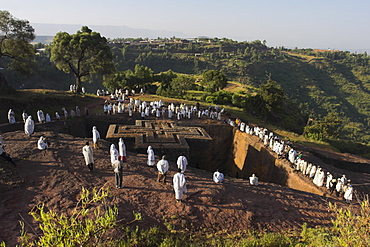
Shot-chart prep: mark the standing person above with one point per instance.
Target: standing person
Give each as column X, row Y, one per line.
column 41, row 116
column 11, row 116
column 151, row 157
column 96, row 137
column 105, row 109
column 118, row 173
column 47, row 118
column 113, row 153
column 162, row 167
column 65, row 112
column 78, row 112
column 348, row 194
column 122, row 150
column 87, row 151
column 333, row 185
column 179, row 185
column 29, row 126
column 24, row 116
column 218, row 177
column 329, row 177
column 182, row 162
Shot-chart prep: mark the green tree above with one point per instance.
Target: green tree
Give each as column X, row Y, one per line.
column 214, row 80
column 144, row 75
column 327, row 128
column 174, row 85
column 16, row 52
column 272, row 94
column 181, row 84
column 85, row 54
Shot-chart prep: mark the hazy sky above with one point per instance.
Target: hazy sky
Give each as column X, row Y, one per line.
column 335, row 24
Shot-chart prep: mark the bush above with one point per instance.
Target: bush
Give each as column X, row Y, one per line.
column 83, row 227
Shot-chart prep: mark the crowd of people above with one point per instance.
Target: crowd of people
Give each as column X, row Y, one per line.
column 340, row 186
column 157, row 109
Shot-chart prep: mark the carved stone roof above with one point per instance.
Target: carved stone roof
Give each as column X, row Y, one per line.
column 158, row 134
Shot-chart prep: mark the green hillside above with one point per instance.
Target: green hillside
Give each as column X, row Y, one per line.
column 317, row 82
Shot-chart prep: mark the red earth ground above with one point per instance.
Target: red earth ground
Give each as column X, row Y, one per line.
column 56, row 176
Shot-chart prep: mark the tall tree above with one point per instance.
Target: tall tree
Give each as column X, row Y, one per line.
column 16, row 52
column 85, row 54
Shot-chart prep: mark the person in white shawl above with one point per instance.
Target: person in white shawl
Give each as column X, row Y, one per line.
column 29, row 126
column 151, row 157
column 122, row 150
column 11, row 116
column 47, row 118
column 218, row 177
column 182, row 162
column 253, row 180
column 96, row 137
column 169, row 113
column 119, row 110
column 87, row 151
column 179, row 185
column 41, row 116
column 42, row 144
column 162, row 167
column 312, row 171
column 329, row 177
column 113, row 153
column 320, row 178
column 348, row 194
column 24, row 116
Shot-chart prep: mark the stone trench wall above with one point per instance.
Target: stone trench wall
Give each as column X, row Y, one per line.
column 239, row 155
column 251, row 156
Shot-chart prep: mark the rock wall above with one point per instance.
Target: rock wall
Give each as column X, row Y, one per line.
column 250, row 156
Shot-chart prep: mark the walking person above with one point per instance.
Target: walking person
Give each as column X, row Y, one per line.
column 182, row 162
column 162, row 167
column 118, row 173
column 179, row 185
column 87, row 151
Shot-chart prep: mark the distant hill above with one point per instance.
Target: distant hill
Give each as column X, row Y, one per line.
column 43, row 39
column 43, row 29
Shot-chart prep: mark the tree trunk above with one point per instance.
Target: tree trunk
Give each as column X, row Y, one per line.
column 78, row 85
column 4, row 86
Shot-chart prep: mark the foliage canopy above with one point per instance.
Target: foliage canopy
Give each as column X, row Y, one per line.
column 85, row 54
column 15, row 49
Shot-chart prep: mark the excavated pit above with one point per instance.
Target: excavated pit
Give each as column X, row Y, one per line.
column 235, row 153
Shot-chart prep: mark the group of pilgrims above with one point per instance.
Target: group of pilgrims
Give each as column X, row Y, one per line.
column 29, row 127
column 118, row 156
column 157, row 108
column 44, row 118
column 340, row 186
column 29, row 124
